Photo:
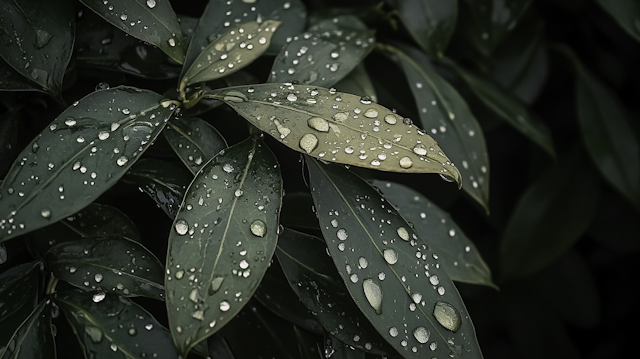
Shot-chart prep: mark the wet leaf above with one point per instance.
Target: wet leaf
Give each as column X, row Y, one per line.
column 34, row 337
column 151, row 21
column 485, row 23
column 312, row 276
column 110, row 326
column 626, row 13
column 95, row 220
column 458, row 255
column 111, row 264
column 397, row 282
column 552, row 214
column 235, row 48
column 324, row 54
column 430, row 23
column 194, row 140
column 337, row 349
column 508, row 107
column 607, row 135
column 338, row 127
column 445, row 116
column 81, row 154
column 11, row 80
column 219, row 15
column 358, row 82
column 37, row 38
column 297, row 211
column 165, row 182
column 222, row 241
column 18, row 290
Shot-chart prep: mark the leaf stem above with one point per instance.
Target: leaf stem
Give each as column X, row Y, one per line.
column 51, row 285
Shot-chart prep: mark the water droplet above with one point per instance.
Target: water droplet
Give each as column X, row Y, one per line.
column 238, row 192
column 122, row 161
column 340, row 116
column 198, row 314
column 416, row 297
column 393, row 331
column 373, row 293
column 215, row 285
column 406, row 162
column 342, row 234
column 98, row 297
column 123, row 17
column 420, row 149
column 354, row 278
column 224, row 306
column 182, row 227
column 103, row 135
column 262, row 40
column 46, row 213
column 371, row 113
column 113, row 347
column 172, row 42
column 318, row 124
column 98, row 277
column 148, row 326
column 403, row 233
column 94, row 333
column 309, row 142
column 227, row 168
column 421, row 334
column 362, row 262
column 72, row 270
column 434, row 280
column 258, row 228
column 390, row 256
column 447, row 315
column 70, row 121
column 151, row 4
column 391, row 119
column 292, row 97
column 446, row 178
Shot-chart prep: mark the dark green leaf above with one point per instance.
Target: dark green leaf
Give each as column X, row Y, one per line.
column 34, row 338
column 37, row 38
column 95, row 220
column 445, row 116
column 357, row 82
column 396, row 281
column 325, row 54
column 337, row 349
column 114, row 264
column 11, row 80
column 626, row 13
column 218, row 347
column 297, row 211
column 220, row 14
column 550, row 216
column 508, row 107
column 81, row 154
column 188, row 25
column 308, row 343
column 18, row 289
column 151, row 21
column 222, row 241
column 485, row 23
column 430, row 23
column 194, row 140
column 110, row 326
column 165, row 182
column 458, row 255
column 9, row 130
column 607, row 135
column 338, row 127
column 313, row 277
column 223, row 57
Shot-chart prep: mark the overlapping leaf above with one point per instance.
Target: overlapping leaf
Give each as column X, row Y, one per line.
column 338, row 127
column 34, row 337
column 395, row 280
column 445, row 116
column 458, row 255
column 324, row 54
column 358, row 82
column 110, row 264
column 194, row 140
column 81, row 154
column 151, row 21
column 110, row 326
column 626, row 13
column 297, row 211
column 222, row 241
column 11, row 80
column 18, row 289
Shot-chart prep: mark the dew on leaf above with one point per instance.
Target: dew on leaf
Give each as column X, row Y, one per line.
column 94, row 333
column 447, row 315
column 390, row 256
column 421, row 334
column 258, row 228
column 98, row 297
column 181, row 227
column 406, row 162
column 373, row 293
column 318, row 124
column 403, row 233
column 309, row 142
column 224, row 306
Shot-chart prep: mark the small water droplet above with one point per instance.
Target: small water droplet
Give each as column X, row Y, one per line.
column 172, row 42
column 132, row 331
column 46, row 213
column 292, row 97
column 224, row 306
column 103, row 135
column 373, row 293
column 123, row 17
column 98, row 297
column 122, row 161
column 420, row 149
column 393, row 331
column 262, row 40
column 148, row 326
column 342, row 234
column 182, row 227
column 406, row 162
column 363, row 263
column 421, row 334
column 416, row 297
column 309, row 142
column 447, row 315
column 98, row 277
column 390, row 256
column 258, row 228
column 151, row 4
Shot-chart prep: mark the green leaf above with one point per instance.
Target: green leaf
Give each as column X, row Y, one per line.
column 326, row 53
column 220, row 14
column 11, row 80
column 95, row 220
column 37, row 38
column 396, row 282
column 34, row 337
column 222, row 241
column 218, row 347
column 18, row 289
column 446, row 117
column 508, row 107
column 195, row 141
column 223, row 57
column 485, row 23
column 358, row 82
column 151, row 21
column 626, row 13
column 110, row 264
column 458, row 255
column 338, row 127
column 552, row 214
column 430, row 23
column 297, row 211
column 110, row 326
column 607, row 134
column 313, row 278
column 9, row 130
column 165, row 182
column 81, row 154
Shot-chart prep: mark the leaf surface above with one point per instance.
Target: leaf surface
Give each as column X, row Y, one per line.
column 194, row 140
column 34, row 337
column 18, row 289
column 222, row 241
column 80, row 155
column 358, row 82
column 626, row 13
column 396, row 281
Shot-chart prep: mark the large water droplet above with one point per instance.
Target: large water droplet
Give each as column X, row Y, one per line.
column 318, row 124
column 421, row 334
column 391, row 119
column 215, row 285
column 182, row 227
column 224, row 306
column 371, row 113
column 98, row 277
column 151, row 4
column 373, row 293
column 309, row 142
column 447, row 315
column 390, row 256
column 393, row 331
column 94, row 333
column 406, row 162
column 342, row 234
column 403, row 233
column 420, row 149
column 258, row 228
column 98, row 297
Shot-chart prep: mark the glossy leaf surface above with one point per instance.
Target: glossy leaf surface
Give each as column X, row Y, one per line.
column 110, row 326
column 222, row 241
column 11, row 80
column 34, row 337
column 313, row 277
column 430, row 23
column 37, row 38
column 151, row 21
column 338, row 127
column 110, row 264
column 626, row 13
column 81, row 154
column 194, row 140
column 446, row 117
column 458, row 255
column 324, row 54
column 396, row 281
column 18, row 289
